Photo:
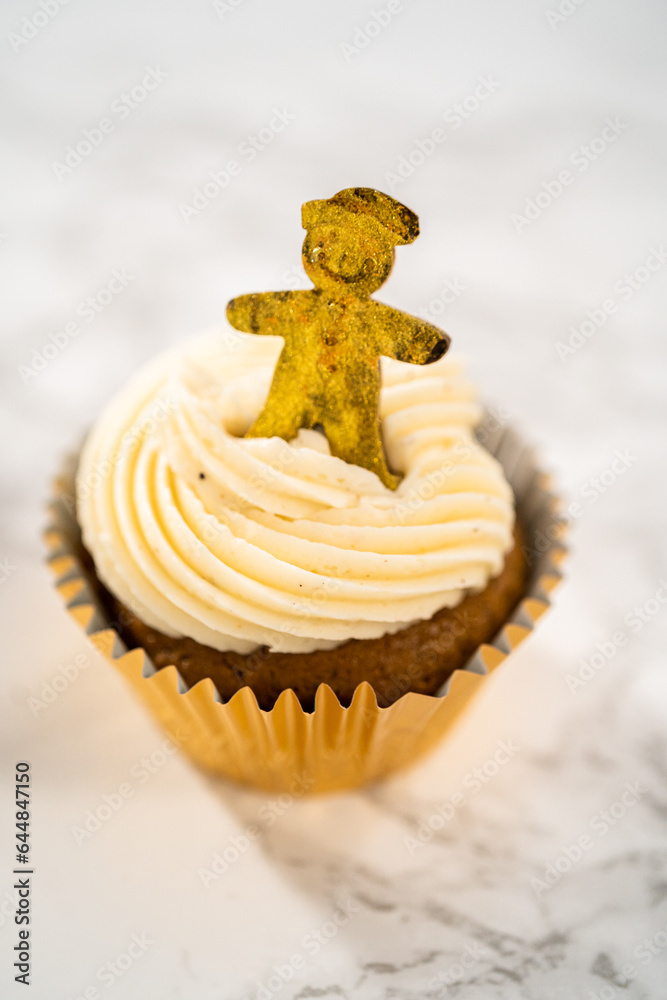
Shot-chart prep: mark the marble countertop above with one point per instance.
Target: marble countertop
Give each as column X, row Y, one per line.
column 530, row 139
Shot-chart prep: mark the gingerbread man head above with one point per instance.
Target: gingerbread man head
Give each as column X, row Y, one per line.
column 350, row 240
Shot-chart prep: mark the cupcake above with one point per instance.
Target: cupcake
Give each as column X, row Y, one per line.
column 293, row 525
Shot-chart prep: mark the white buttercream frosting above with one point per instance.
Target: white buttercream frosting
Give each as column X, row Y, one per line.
column 240, row 543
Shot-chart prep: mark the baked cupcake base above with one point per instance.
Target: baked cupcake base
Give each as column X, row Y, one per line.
column 332, row 747
column 419, row 658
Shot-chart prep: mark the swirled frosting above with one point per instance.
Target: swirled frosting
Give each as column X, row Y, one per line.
column 240, row 543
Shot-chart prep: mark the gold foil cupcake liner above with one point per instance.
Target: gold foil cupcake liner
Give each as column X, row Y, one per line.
column 332, row 747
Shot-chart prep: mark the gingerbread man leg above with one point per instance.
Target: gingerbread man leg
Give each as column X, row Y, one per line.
column 361, row 428
column 284, row 413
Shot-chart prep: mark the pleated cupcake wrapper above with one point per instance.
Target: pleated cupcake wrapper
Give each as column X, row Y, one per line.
column 333, row 747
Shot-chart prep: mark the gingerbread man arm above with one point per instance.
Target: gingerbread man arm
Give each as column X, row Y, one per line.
column 261, row 312
column 405, row 337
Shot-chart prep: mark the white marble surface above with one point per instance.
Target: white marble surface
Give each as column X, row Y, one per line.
column 414, row 913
